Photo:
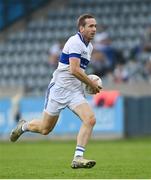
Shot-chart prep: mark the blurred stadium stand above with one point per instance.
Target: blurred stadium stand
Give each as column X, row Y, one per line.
column 13, row 10
column 24, row 47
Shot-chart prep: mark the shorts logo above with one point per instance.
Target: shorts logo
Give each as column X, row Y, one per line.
column 84, row 53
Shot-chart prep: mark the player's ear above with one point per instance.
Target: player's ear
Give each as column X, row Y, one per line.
column 81, row 29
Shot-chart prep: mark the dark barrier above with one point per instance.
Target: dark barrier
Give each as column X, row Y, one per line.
column 137, row 116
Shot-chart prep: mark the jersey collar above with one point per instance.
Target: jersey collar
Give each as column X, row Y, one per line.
column 82, row 39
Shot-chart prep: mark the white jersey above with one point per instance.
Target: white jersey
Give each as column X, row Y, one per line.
column 74, row 47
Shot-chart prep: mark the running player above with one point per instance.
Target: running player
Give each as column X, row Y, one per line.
column 66, row 90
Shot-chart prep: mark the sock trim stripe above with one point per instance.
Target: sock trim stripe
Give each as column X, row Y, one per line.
column 79, row 149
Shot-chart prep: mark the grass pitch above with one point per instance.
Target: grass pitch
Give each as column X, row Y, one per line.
column 130, row 158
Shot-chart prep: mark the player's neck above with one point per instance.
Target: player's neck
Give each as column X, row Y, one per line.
column 83, row 38
column 86, row 40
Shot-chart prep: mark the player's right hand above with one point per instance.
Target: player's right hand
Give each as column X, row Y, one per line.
column 95, row 88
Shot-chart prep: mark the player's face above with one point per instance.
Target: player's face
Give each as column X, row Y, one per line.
column 89, row 29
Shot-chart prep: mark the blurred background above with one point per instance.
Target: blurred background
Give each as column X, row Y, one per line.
column 32, row 34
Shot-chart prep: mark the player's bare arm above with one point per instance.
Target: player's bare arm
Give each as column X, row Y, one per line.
column 81, row 75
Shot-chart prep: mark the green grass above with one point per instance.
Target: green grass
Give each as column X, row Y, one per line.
column 130, row 158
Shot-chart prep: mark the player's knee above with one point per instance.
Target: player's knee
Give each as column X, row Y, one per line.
column 91, row 121
column 45, row 131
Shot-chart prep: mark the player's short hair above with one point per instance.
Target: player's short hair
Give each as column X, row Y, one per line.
column 81, row 20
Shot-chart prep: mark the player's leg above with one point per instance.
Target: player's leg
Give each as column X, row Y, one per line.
column 50, row 116
column 86, row 114
column 42, row 126
column 84, row 111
